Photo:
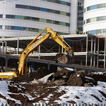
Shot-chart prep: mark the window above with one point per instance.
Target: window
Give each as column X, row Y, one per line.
column 21, row 6
column 93, row 19
column 35, row 19
column 49, row 21
column 10, row 16
column 67, row 24
column 93, row 32
column 80, row 28
column 57, row 12
column 88, row 20
column 62, row 2
column 80, row 7
column 19, row 17
column 18, row 28
column 7, row 27
column 67, row 14
column 63, row 13
column 42, row 20
column 56, row 22
column 63, row 23
column 93, row 7
column 43, row 9
column 80, row 18
column 1, row 16
column 0, row 26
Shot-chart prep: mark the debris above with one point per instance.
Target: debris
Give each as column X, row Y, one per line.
column 42, row 80
column 59, row 82
column 75, row 80
column 61, row 58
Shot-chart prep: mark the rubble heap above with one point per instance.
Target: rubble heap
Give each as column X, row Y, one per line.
column 60, row 77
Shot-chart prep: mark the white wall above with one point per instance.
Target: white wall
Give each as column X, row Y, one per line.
column 73, row 18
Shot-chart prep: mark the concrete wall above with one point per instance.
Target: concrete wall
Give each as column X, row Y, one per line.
column 73, row 18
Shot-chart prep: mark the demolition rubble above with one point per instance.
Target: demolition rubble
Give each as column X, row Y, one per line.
column 61, row 77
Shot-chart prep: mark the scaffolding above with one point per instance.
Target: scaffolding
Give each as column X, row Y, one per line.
column 89, row 50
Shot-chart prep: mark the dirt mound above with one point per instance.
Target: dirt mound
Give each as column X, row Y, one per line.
column 58, row 77
column 49, row 92
column 39, row 73
column 37, row 92
column 98, row 77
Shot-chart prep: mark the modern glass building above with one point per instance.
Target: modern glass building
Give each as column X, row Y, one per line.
column 94, row 16
column 30, row 17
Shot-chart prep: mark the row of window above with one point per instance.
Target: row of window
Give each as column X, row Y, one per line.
column 26, row 29
column 59, row 2
column 95, row 7
column 96, row 31
column 94, row 19
column 42, row 9
column 37, row 19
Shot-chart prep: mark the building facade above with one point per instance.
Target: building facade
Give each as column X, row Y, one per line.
column 30, row 17
column 94, row 16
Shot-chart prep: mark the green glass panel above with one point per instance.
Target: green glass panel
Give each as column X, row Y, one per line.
column 42, row 20
column 62, row 13
column 63, row 23
column 19, row 17
column 25, row 18
column 93, row 19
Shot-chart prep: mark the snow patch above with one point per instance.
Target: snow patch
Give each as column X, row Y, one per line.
column 4, row 92
column 42, row 80
column 69, row 69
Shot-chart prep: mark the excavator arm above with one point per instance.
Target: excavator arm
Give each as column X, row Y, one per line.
column 34, row 44
column 22, row 68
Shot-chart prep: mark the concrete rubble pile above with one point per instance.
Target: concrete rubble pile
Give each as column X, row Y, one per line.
column 61, row 77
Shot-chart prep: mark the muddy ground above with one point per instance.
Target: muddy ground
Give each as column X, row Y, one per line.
column 39, row 91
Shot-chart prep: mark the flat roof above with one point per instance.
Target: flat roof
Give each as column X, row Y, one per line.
column 24, row 41
column 32, row 37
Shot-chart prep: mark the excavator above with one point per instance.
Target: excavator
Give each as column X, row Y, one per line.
column 22, row 67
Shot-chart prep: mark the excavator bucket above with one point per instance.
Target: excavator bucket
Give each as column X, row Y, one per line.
column 61, row 58
column 65, row 58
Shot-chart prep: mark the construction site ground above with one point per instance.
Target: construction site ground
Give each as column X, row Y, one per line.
column 60, row 86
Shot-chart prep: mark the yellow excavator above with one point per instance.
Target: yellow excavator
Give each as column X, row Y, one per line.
column 22, row 68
